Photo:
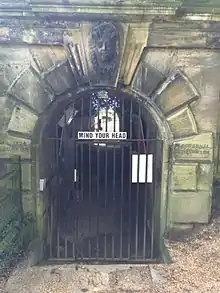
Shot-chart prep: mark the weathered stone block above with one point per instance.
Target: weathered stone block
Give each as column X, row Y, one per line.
column 205, row 177
column 182, row 123
column 26, row 176
column 61, row 78
column 174, row 92
column 178, row 231
column 190, row 207
column 147, row 78
column 184, row 177
column 73, row 41
column 136, row 40
column 10, row 145
column 28, row 203
column 22, row 120
column 47, row 56
column 171, row 34
column 31, row 90
column 196, row 148
column 6, row 109
column 163, row 60
column 13, row 61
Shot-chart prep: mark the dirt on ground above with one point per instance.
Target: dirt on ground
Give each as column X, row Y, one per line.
column 196, row 262
column 195, row 268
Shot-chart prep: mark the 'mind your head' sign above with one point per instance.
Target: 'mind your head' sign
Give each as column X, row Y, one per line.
column 102, row 135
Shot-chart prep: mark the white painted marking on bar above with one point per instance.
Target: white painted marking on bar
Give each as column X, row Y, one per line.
column 42, row 184
column 102, row 135
column 149, row 168
column 75, row 175
column 142, row 168
column 134, row 168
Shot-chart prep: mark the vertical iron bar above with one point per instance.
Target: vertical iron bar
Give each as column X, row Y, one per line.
column 58, row 242
column 59, row 144
column 122, row 183
column 131, row 119
column 106, row 194
column 98, row 165
column 130, row 179
column 153, row 200
column 129, row 201
column 52, row 197
column 81, row 151
column 114, row 171
column 98, row 188
column 97, row 238
column 74, row 236
column 106, row 119
column 66, row 153
column 106, row 175
column 90, row 248
column 65, row 239
column 78, row 182
column 113, row 246
column 114, row 189
column 75, row 177
column 66, row 196
column 146, row 195
column 114, row 128
column 138, row 189
column 145, row 212
column 106, row 178
column 77, row 240
column 90, row 149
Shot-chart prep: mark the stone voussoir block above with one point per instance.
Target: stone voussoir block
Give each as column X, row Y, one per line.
column 182, row 123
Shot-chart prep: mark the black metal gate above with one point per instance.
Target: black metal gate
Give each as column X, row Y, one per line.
column 105, row 204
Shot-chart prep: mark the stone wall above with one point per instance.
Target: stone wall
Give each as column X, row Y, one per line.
column 42, row 64
column 185, row 88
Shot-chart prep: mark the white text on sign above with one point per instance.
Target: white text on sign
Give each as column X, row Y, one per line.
column 102, row 135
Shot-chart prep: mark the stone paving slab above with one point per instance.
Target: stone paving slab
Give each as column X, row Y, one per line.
column 78, row 279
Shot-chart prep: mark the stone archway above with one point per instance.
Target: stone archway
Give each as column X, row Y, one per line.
column 35, row 76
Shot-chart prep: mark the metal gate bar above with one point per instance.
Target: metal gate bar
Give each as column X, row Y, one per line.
column 102, row 185
column 138, row 228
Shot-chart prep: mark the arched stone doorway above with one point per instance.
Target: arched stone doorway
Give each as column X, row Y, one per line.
column 51, row 69
column 88, row 176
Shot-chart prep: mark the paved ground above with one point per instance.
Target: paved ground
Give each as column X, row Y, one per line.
column 68, row 279
column 195, row 269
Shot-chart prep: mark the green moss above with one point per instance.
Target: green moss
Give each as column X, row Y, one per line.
column 12, row 242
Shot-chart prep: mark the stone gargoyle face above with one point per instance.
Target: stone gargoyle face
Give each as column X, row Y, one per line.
column 104, row 39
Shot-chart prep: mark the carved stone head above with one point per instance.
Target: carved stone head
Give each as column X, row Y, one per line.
column 104, row 38
column 104, row 49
